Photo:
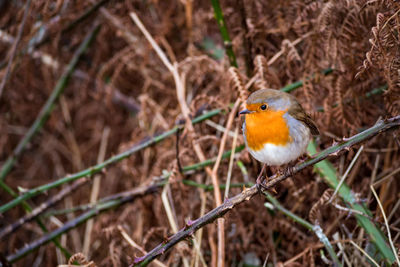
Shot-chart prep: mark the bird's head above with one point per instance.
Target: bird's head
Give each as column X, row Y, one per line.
column 265, row 100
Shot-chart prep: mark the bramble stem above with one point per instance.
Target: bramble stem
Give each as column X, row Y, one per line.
column 247, row 194
column 219, row 16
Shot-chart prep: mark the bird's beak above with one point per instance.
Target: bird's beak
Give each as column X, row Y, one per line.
column 246, row 111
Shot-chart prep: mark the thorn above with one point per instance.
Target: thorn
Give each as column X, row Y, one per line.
column 188, row 224
column 274, row 190
column 335, row 153
column 345, row 139
column 165, row 239
column 137, row 260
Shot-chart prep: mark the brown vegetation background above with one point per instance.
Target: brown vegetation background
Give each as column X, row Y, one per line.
column 123, row 93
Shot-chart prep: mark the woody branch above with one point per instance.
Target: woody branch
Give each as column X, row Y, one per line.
column 192, row 226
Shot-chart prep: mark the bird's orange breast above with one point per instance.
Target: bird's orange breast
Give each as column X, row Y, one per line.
column 266, row 127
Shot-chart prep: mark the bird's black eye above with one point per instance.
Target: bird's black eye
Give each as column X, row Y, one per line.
column 263, row 107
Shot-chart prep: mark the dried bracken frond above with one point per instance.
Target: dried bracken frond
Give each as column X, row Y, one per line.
column 292, row 232
column 315, row 212
column 265, row 77
column 261, row 69
column 120, row 83
column 81, row 259
column 291, row 51
column 384, row 54
column 238, row 84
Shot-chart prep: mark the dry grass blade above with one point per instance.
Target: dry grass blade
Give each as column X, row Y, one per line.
column 365, row 253
column 229, row 175
column 346, row 173
column 387, row 225
column 95, row 190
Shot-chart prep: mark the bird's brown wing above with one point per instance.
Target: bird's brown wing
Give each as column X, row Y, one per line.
column 297, row 112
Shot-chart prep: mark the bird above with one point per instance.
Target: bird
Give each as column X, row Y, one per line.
column 276, row 129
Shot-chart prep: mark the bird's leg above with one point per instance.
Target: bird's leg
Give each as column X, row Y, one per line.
column 260, row 178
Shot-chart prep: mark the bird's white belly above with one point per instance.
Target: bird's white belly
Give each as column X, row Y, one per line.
column 275, row 155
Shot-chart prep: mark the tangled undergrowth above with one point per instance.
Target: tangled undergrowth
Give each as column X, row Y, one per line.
column 345, row 52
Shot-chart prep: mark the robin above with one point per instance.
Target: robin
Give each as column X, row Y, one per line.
column 276, row 129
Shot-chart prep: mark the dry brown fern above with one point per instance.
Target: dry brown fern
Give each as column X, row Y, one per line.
column 237, row 82
column 384, row 54
column 264, row 76
column 81, row 260
column 315, row 213
column 290, row 230
column 260, row 70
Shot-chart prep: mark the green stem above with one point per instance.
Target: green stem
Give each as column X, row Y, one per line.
column 219, row 16
column 40, row 120
column 185, row 169
column 28, row 209
column 119, row 199
column 49, row 105
column 295, row 85
column 315, row 228
column 328, row 173
column 97, row 168
column 66, row 227
column 11, row 160
column 229, row 204
column 208, row 162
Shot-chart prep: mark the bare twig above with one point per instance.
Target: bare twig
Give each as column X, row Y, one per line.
column 97, row 168
column 14, row 48
column 247, row 194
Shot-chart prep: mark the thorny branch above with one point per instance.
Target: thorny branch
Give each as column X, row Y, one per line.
column 192, row 226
